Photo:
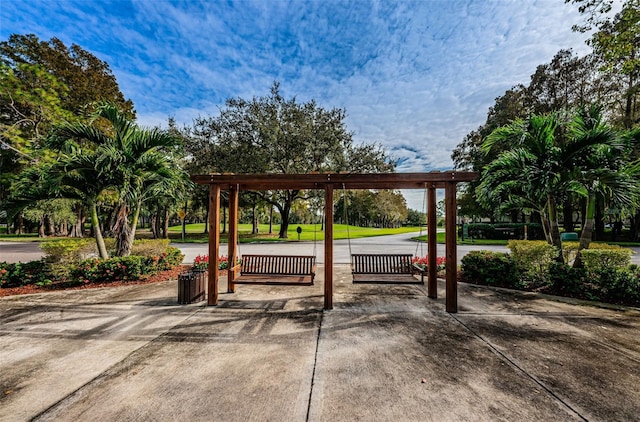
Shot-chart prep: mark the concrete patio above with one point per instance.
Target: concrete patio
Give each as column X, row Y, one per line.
column 270, row 353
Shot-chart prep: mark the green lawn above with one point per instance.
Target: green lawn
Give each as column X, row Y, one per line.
column 194, row 232
column 441, row 237
column 29, row 237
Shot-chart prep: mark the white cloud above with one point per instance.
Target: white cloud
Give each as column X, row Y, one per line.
column 416, row 76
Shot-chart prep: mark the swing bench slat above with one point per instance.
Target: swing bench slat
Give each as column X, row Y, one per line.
column 384, row 268
column 277, row 270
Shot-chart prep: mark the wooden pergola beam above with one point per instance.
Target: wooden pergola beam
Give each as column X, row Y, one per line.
column 340, row 180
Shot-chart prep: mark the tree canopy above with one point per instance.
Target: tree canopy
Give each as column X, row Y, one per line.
column 272, row 134
column 44, row 84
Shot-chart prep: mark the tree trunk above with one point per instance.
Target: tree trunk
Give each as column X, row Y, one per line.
column 97, row 233
column 41, row 225
column 122, row 231
column 284, row 224
column 635, row 227
column 110, row 222
column 553, row 226
column 76, row 229
column 628, row 119
column 165, row 224
column 270, row 219
column 49, row 229
column 134, row 223
column 206, row 221
column 545, row 228
column 224, row 220
column 254, row 220
column 567, row 215
column 153, row 225
column 587, row 229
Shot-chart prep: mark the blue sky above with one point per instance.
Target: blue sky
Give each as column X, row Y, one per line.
column 415, row 76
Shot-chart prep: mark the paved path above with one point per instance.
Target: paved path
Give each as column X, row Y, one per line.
column 269, row 353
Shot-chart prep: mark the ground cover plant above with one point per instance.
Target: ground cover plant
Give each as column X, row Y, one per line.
column 606, row 274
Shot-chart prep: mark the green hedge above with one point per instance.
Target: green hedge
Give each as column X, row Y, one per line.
column 596, row 261
column 607, row 275
column 492, row 268
column 67, row 250
column 504, row 231
column 533, row 259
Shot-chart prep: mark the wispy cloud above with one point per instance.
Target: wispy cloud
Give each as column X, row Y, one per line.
column 415, row 76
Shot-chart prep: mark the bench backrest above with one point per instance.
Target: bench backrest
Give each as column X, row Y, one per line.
column 278, row 264
column 381, row 263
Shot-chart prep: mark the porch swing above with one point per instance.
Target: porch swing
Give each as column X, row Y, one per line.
column 286, row 270
column 381, row 268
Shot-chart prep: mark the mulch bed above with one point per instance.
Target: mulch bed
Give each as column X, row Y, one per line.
column 161, row 276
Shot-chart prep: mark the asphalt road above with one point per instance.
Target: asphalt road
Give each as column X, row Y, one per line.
column 399, row 243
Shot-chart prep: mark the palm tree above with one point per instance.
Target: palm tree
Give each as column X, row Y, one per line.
column 548, row 160
column 134, row 162
column 600, row 167
column 531, row 173
column 73, row 175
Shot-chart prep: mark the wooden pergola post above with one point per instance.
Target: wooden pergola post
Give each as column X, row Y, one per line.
column 451, row 246
column 327, row 181
column 233, row 237
column 328, row 246
column 214, row 243
column 432, row 243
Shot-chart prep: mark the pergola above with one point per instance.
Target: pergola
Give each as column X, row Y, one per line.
column 234, row 183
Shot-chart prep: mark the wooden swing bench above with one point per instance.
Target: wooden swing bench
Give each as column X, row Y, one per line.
column 293, row 270
column 384, row 268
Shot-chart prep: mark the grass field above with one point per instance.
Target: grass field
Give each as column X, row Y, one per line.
column 194, row 232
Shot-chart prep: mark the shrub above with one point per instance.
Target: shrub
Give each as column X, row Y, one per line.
column 60, row 254
column 569, row 251
column 533, row 259
column 66, row 250
column 565, row 280
column 95, row 270
column 595, row 261
column 170, row 258
column 488, row 267
column 618, row 285
column 149, row 247
column 422, row 263
column 23, row 273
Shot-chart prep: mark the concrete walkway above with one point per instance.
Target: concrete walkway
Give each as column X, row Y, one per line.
column 384, row 353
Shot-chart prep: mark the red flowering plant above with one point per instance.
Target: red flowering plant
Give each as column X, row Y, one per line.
column 422, row 263
column 202, row 262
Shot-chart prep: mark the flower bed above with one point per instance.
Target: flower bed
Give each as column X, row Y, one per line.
column 201, row 262
column 423, row 263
